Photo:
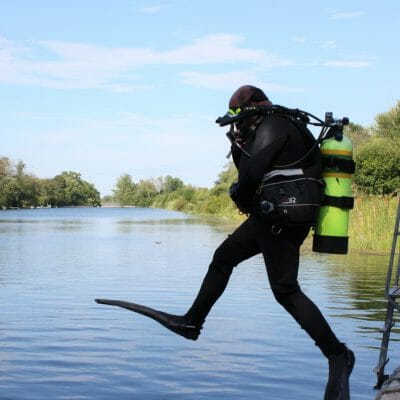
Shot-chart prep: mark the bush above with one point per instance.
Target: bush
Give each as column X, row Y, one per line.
column 378, row 166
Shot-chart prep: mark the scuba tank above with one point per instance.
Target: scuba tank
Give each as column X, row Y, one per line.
column 331, row 228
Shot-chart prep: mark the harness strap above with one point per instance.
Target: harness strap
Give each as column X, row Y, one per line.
column 300, row 124
column 341, row 164
column 253, row 127
column 339, row 202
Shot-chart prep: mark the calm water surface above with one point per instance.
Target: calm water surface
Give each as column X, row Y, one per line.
column 57, row 343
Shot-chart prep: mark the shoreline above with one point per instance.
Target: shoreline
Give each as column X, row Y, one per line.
column 231, row 220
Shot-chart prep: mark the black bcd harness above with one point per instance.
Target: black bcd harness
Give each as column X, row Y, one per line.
column 286, row 195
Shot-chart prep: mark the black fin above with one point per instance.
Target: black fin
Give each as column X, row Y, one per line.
column 174, row 323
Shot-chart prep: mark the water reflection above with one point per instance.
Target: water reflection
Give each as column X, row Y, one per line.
column 357, row 292
column 53, row 263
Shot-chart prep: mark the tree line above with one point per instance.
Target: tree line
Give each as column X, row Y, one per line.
column 171, row 193
column 20, row 189
column 376, row 152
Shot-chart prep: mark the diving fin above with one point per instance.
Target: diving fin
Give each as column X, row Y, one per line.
column 175, row 323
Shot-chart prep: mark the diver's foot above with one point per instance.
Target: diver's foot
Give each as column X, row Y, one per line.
column 179, row 325
column 340, row 367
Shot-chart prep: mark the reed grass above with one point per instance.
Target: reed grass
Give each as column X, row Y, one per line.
column 372, row 223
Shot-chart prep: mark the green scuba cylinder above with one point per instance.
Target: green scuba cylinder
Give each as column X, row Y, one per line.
column 331, row 229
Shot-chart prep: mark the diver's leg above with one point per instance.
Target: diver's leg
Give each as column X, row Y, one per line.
column 281, row 254
column 238, row 246
column 341, row 359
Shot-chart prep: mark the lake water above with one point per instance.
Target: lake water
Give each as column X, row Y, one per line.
column 57, row 343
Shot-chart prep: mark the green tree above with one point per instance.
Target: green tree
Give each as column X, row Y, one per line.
column 378, row 157
column 124, row 191
column 6, row 168
column 9, row 192
column 18, row 189
column 145, row 191
column 69, row 189
column 91, row 195
column 387, row 124
column 45, row 192
column 357, row 133
column 28, row 191
column 6, row 182
column 225, row 180
column 170, row 184
column 378, row 166
column 27, row 188
column 21, row 189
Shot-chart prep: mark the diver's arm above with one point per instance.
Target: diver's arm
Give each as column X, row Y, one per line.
column 268, row 141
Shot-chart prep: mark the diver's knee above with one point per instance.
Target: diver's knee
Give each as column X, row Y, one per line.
column 280, row 297
column 221, row 263
column 220, row 268
column 285, row 298
column 221, row 257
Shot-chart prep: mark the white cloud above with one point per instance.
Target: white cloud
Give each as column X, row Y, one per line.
column 347, row 63
column 346, row 15
column 212, row 49
column 65, row 65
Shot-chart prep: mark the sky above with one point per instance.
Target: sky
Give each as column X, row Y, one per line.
column 107, row 88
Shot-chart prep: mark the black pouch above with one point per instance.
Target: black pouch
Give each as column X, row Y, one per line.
column 290, row 200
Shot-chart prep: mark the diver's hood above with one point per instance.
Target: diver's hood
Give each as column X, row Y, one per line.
column 244, row 103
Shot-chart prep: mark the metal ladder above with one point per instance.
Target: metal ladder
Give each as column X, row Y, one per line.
column 392, row 293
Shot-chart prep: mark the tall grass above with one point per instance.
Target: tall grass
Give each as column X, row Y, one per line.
column 372, row 223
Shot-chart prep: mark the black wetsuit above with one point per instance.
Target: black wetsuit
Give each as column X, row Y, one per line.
column 276, row 141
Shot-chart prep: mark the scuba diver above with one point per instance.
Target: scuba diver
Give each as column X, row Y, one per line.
column 280, row 189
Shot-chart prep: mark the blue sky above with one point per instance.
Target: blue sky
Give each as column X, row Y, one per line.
column 111, row 87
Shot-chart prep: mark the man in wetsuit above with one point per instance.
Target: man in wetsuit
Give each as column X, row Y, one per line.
column 260, row 144
column 263, row 143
